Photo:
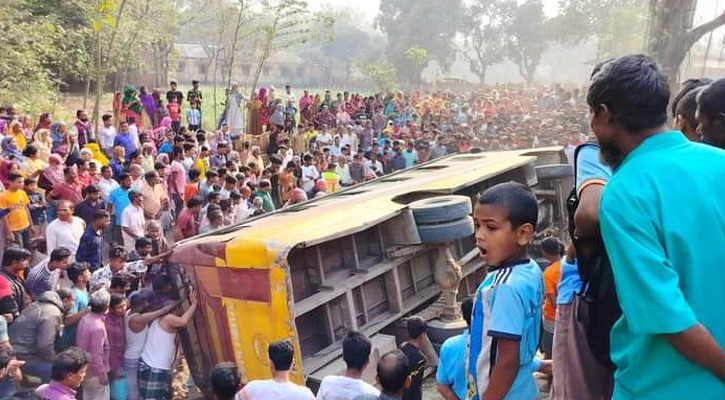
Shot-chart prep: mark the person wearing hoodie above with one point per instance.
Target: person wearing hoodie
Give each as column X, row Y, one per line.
column 32, row 335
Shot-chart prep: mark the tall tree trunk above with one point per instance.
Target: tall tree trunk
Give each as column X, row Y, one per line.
column 671, row 34
column 709, row 44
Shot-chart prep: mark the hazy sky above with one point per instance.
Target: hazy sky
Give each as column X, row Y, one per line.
column 370, row 7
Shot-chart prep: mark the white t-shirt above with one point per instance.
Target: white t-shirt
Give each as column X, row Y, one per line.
column 106, row 136
column 65, row 234
column 344, row 388
column 271, row 390
column 132, row 218
column 309, row 176
column 324, row 139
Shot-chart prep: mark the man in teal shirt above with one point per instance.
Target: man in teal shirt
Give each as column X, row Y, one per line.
column 663, row 223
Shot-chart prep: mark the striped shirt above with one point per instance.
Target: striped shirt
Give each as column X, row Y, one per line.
column 40, row 279
column 193, row 117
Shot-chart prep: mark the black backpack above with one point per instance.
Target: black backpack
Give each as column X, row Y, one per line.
column 598, row 306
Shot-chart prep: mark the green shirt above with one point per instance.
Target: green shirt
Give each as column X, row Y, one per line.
column 663, row 223
column 267, row 203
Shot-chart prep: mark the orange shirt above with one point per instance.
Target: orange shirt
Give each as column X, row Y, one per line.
column 552, row 275
column 191, row 190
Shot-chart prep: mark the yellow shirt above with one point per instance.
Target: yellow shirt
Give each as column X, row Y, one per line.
column 17, row 202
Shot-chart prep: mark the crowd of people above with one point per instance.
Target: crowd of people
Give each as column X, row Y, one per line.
column 90, row 217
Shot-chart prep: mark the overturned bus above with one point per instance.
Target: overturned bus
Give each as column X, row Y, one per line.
column 361, row 259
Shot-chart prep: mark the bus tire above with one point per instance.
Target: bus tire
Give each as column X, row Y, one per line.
column 447, row 232
column 555, row 171
column 441, row 209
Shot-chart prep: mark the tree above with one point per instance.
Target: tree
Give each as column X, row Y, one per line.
column 419, row 56
column 291, row 24
column 382, row 74
column 617, row 26
column 671, row 33
column 431, row 24
column 37, row 55
column 527, row 38
column 486, row 22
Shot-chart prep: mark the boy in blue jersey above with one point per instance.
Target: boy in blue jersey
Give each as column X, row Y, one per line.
column 507, row 307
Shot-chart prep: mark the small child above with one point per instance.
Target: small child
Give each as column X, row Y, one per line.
column 174, row 111
column 501, row 359
column 37, row 204
column 193, row 117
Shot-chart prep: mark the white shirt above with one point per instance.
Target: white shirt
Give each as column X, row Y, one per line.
column 242, row 211
column 324, row 139
column 106, row 136
column 106, row 185
column 271, row 390
column 349, row 139
column 133, row 219
column 133, row 134
column 344, row 388
column 343, row 171
column 65, row 234
column 309, row 176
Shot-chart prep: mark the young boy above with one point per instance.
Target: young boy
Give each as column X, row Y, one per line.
column 37, row 204
column 17, row 222
column 507, row 307
column 193, row 117
column 174, row 111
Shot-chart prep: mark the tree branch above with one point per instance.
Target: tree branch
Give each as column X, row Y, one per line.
column 696, row 33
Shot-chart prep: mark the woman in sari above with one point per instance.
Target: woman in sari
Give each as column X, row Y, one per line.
column 26, row 124
column 10, row 150
column 343, row 117
column 131, row 106
column 149, row 107
column 147, row 157
column 97, row 154
column 265, row 109
column 59, row 136
column 32, row 165
column 45, row 122
column 15, row 131
column 43, row 142
column 255, row 119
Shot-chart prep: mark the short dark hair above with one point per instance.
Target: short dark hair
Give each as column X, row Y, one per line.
column 225, row 380
column 59, row 253
column 635, row 91
column 106, row 117
column 467, row 310
column 117, row 252
column 133, row 194
column 393, row 371
column 281, row 354
column 116, row 299
column 68, row 362
column 76, row 270
column 687, row 87
column 416, row 327
column 92, row 188
column 517, row 199
column 124, row 176
column 194, row 173
column 120, row 280
column 30, row 150
column 100, row 214
column 13, row 177
column 687, row 107
column 13, row 254
column 160, row 282
column 194, row 202
column 711, row 99
column 356, row 350
column 143, row 241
